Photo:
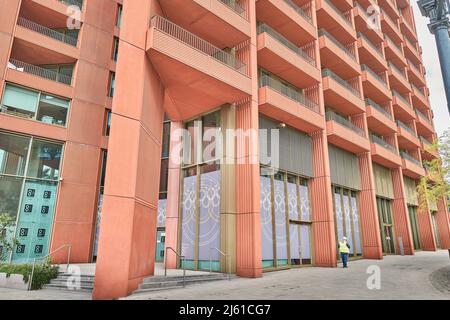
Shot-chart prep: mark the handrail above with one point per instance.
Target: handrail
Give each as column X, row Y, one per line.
column 372, row 103
column 404, row 126
column 225, row 255
column 342, row 82
column 40, row 72
column 45, row 257
column 378, row 50
column 339, row 12
column 323, row 32
column 398, row 95
column 364, row 67
column 236, row 7
column 333, row 116
column 31, row 25
column 299, row 10
column 409, row 157
column 182, row 258
column 383, row 143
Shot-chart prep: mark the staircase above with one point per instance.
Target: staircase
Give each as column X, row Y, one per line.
column 159, row 283
column 68, row 282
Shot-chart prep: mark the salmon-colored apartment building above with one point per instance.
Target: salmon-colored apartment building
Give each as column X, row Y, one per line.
column 93, row 103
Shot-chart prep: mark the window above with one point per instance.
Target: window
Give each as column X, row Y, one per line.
column 115, row 49
column 107, row 123
column 29, row 104
column 119, row 15
column 112, row 79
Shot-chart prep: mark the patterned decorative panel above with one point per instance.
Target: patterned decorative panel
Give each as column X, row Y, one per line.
column 305, row 234
column 305, row 203
column 356, row 228
column 293, row 201
column 162, row 209
column 348, row 223
column 189, row 217
column 266, row 220
column 294, row 241
column 339, row 215
column 280, row 219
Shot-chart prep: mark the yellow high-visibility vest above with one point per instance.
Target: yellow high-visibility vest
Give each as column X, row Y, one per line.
column 343, row 247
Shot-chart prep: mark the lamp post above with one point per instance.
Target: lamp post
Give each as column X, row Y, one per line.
column 438, row 13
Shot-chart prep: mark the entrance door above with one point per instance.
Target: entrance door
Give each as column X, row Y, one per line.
column 414, row 227
column 386, row 225
column 436, row 230
column 389, row 239
column 160, row 245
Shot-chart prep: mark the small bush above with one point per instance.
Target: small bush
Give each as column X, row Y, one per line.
column 43, row 273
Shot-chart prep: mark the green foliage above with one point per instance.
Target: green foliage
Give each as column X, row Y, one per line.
column 436, row 184
column 43, row 273
column 7, row 223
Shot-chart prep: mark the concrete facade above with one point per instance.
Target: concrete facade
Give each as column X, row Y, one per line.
column 338, row 80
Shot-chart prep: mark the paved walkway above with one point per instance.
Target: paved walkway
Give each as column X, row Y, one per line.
column 423, row 276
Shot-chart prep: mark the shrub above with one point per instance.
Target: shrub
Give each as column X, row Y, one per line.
column 43, row 273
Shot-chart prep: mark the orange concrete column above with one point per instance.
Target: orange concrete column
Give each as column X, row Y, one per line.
column 402, row 227
column 173, row 194
column 426, row 230
column 443, row 223
column 128, row 228
column 324, row 235
column 370, row 228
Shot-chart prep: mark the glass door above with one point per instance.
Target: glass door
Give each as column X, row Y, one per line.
column 414, row 227
column 386, row 225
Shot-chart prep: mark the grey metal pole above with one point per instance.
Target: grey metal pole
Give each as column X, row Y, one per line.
column 443, row 46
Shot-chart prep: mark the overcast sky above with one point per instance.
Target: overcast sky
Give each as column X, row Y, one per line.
column 434, row 76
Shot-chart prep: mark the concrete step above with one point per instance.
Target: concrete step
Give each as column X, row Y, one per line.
column 155, row 289
column 214, row 276
column 64, row 288
column 63, row 282
column 71, row 276
column 158, row 283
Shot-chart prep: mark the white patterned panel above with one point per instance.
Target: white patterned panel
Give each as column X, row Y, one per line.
column 348, row 223
column 304, row 200
column 305, row 233
column 188, row 217
column 280, row 219
column 266, row 219
column 339, row 217
column 292, row 201
column 162, row 209
column 295, row 242
column 209, row 228
column 356, row 225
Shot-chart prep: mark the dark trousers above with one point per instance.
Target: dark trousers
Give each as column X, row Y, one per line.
column 344, row 257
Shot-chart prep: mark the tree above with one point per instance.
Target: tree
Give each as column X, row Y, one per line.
column 7, row 243
column 436, row 183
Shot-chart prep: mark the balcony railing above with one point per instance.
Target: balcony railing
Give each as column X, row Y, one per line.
column 78, row 3
column 373, row 46
column 394, row 67
column 372, row 103
column 414, row 67
column 421, row 115
column 398, row 95
column 418, row 90
column 281, row 39
column 342, row 82
column 300, row 11
column 339, row 12
column 47, row 31
column 40, row 72
column 332, row 116
column 197, row 43
column 291, row 93
column 409, row 157
column 405, row 127
column 396, row 46
column 425, row 141
column 384, row 144
column 376, row 76
column 323, row 32
column 236, row 7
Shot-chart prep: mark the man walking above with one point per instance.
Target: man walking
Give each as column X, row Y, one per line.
column 344, row 250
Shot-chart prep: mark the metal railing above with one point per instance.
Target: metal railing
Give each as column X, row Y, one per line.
column 197, row 43
column 372, row 103
column 323, row 32
column 364, row 67
column 416, row 89
column 69, row 252
column 339, row 12
column 281, row 39
column 421, row 115
column 281, row 88
column 414, row 67
column 299, row 10
column 396, row 46
column 47, row 31
column 405, row 127
column 409, row 157
column 342, row 82
column 40, row 72
column 332, row 116
column 394, row 67
column 398, row 95
column 227, row 259
column 425, row 141
column 234, row 5
column 182, row 261
column 371, row 44
column 383, row 143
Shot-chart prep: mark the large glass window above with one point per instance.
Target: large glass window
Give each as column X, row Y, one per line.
column 29, row 174
column 25, row 103
column 384, row 207
column 414, row 227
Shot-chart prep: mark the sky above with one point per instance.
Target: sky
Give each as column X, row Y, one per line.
column 434, row 76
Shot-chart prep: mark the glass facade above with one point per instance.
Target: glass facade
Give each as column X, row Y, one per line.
column 384, row 207
column 412, row 210
column 29, row 178
column 346, row 209
column 285, row 220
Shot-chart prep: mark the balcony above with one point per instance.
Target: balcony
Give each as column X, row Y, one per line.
column 340, row 94
column 394, row 52
column 407, row 137
column 197, row 76
column 228, row 19
column 398, row 80
column 411, row 166
column 378, row 119
column 283, row 103
column 403, row 109
column 292, row 21
column 337, row 56
column 344, row 134
column 371, row 54
column 424, row 125
column 427, row 150
column 281, row 57
column 419, row 99
column 411, row 51
column 384, row 153
column 407, row 29
column 39, row 72
column 415, row 75
column 54, row 34
column 340, row 24
column 364, row 21
column 391, row 28
column 374, row 85
column 390, row 7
